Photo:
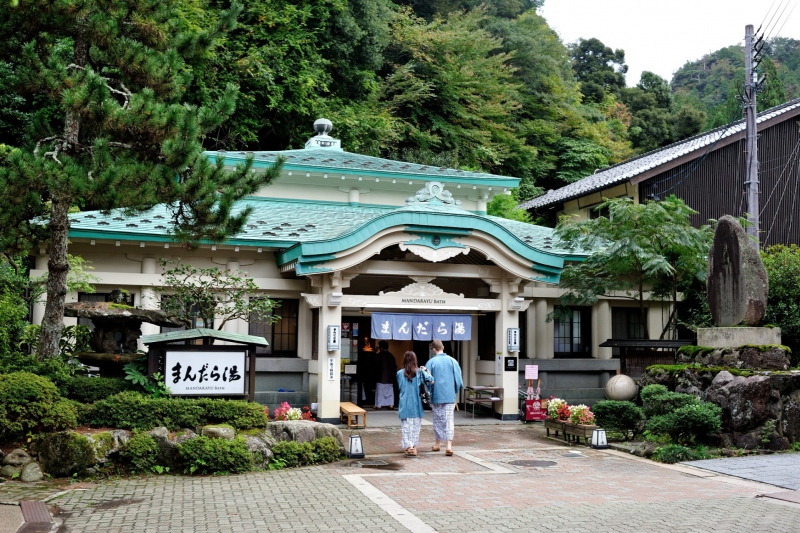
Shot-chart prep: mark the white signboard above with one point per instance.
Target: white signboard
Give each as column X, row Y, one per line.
column 205, row 373
column 498, row 365
column 513, row 339
column 334, row 341
column 531, row 371
column 350, row 369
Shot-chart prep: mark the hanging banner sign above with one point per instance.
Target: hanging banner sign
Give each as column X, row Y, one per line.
column 405, row 327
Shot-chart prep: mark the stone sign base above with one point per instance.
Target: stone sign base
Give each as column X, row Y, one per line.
column 735, row 336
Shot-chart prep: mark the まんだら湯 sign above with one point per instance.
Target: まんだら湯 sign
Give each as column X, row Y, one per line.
column 205, row 373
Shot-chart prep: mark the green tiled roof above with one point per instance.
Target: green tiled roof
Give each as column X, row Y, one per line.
column 198, row 333
column 282, row 223
column 346, row 163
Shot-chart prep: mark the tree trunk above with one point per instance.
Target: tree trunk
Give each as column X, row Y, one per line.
column 58, row 265
column 642, row 315
column 57, row 270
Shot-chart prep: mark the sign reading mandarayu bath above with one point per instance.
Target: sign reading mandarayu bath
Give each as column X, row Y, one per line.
column 205, row 373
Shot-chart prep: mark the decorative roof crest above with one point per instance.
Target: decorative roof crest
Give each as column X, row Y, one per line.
column 433, row 194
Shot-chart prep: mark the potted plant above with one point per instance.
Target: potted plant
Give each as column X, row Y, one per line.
column 557, row 415
column 580, row 424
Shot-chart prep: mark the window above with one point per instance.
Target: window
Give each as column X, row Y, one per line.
column 282, row 335
column 626, row 323
column 572, row 336
column 594, row 212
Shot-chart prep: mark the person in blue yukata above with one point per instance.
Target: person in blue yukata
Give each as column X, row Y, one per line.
column 410, row 412
column 446, row 373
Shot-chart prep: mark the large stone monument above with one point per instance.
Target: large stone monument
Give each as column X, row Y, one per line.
column 737, row 288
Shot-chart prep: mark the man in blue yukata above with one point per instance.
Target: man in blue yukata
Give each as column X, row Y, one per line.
column 446, row 374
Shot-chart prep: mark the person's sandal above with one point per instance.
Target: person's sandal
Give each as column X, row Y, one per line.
column 435, row 448
column 448, row 453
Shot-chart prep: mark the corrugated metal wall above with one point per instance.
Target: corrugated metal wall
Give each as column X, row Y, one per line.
column 714, row 185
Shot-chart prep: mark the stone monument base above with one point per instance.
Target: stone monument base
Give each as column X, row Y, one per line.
column 734, row 337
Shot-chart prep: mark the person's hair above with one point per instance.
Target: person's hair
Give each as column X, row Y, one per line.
column 437, row 345
column 410, row 365
column 383, row 345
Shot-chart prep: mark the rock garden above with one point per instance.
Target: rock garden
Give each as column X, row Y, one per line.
column 98, row 427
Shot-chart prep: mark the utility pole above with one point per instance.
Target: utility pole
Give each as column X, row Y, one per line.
column 751, row 135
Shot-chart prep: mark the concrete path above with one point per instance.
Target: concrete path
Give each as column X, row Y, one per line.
column 10, row 518
column 503, row 477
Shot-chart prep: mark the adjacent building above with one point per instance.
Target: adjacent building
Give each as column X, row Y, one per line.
column 707, row 171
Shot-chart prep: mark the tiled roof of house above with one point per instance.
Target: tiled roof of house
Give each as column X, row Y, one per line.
column 281, row 223
column 333, row 161
column 624, row 171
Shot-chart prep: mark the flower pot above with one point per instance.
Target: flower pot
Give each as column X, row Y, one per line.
column 556, row 426
column 577, row 432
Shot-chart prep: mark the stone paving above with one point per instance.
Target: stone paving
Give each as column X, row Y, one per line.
column 487, row 486
column 780, row 470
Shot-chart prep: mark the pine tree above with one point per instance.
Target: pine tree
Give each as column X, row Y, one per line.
column 117, row 135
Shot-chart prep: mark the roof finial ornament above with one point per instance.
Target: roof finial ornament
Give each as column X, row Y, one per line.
column 434, row 193
column 323, row 127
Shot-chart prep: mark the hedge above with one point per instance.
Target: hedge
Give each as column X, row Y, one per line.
column 31, row 403
column 90, row 390
column 131, row 410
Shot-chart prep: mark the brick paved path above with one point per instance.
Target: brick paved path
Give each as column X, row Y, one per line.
column 483, row 488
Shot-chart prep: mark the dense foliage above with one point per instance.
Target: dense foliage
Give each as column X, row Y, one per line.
column 204, row 455
column 637, row 247
column 783, row 268
column 130, row 410
column 31, row 404
column 682, row 417
column 620, row 416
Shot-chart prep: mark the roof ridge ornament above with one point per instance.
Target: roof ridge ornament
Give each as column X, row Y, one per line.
column 323, row 127
column 434, row 193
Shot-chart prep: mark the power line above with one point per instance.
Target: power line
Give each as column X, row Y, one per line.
column 791, row 159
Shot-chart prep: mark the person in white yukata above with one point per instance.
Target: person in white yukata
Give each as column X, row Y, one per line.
column 385, row 369
column 446, row 373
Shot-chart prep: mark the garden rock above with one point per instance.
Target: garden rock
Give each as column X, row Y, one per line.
column 183, row 436
column 219, row 432
column 10, row 470
column 17, row 457
column 260, row 445
column 108, row 443
column 790, row 416
column 736, row 281
column 744, row 401
column 329, row 430
column 296, row 430
column 752, row 357
column 645, row 449
column 167, row 448
column 31, row 472
column 65, row 453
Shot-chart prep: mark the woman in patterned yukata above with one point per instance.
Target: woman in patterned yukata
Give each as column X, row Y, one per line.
column 410, row 411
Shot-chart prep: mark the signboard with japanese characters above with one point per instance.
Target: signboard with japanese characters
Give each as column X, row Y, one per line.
column 333, row 338
column 405, row 327
column 513, row 339
column 205, row 373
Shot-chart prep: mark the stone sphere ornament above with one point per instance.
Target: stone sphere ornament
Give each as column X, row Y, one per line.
column 621, row 387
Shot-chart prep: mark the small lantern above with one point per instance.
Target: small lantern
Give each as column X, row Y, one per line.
column 356, row 450
column 599, row 441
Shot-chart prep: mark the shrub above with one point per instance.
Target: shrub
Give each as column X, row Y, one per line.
column 239, row 414
column 291, row 453
column 141, row 451
column 660, row 401
column 31, row 403
column 624, row 417
column 90, row 390
column 203, row 455
column 674, row 453
column 131, row 410
column 326, row 450
column 688, row 423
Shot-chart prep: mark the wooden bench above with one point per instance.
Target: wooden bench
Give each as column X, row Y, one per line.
column 350, row 413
